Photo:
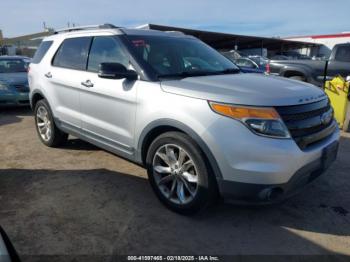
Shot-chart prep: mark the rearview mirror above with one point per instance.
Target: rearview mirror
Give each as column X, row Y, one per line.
column 116, row 71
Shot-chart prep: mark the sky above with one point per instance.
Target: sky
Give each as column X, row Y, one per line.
column 250, row 17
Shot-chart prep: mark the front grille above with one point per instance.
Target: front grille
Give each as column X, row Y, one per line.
column 308, row 123
column 22, row 88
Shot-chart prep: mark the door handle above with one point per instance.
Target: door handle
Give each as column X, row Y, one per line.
column 48, row 75
column 87, row 83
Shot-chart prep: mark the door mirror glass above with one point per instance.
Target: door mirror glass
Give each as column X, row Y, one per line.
column 116, row 71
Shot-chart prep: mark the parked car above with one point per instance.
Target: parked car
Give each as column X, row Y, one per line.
column 199, row 132
column 313, row 71
column 245, row 64
column 260, row 61
column 14, row 88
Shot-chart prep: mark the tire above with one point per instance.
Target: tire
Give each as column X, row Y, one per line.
column 299, row 78
column 199, row 188
column 43, row 121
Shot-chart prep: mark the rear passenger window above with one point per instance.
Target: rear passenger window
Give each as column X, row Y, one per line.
column 41, row 51
column 106, row 49
column 73, row 53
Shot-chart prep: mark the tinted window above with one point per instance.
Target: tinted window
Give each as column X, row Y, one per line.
column 73, row 53
column 343, row 54
column 41, row 51
column 106, row 49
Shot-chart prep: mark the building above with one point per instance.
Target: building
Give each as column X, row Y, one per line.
column 23, row 45
column 328, row 41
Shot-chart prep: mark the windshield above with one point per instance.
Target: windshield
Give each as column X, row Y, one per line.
column 171, row 56
column 13, row 65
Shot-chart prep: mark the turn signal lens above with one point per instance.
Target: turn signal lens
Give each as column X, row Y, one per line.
column 241, row 112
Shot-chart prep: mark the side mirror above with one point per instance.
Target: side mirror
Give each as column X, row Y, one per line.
column 347, row 79
column 116, row 71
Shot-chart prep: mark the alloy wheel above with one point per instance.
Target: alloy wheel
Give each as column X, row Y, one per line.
column 43, row 123
column 175, row 174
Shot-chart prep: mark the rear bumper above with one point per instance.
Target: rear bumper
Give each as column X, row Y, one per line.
column 273, row 193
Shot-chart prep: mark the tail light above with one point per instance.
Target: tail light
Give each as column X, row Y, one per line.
column 267, row 68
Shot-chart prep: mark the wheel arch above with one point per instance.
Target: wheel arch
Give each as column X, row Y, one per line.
column 35, row 97
column 289, row 71
column 158, row 127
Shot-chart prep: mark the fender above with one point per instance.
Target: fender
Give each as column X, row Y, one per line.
column 184, row 128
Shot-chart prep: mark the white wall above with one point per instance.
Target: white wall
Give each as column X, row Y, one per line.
column 330, row 42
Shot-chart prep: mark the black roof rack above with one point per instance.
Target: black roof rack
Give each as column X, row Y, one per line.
column 87, row 27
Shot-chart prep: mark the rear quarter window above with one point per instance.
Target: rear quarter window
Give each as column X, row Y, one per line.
column 41, row 51
column 73, row 53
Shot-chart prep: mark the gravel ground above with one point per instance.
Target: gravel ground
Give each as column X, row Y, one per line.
column 80, row 200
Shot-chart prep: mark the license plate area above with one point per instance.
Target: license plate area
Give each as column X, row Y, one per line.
column 329, row 154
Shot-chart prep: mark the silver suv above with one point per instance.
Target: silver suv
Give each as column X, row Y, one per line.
column 176, row 106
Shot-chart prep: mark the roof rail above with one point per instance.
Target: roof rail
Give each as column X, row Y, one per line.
column 87, row 27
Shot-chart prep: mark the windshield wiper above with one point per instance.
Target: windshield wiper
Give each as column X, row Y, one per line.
column 185, row 74
column 200, row 73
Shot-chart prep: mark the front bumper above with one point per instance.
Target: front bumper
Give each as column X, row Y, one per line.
column 263, row 193
column 14, row 99
column 251, row 166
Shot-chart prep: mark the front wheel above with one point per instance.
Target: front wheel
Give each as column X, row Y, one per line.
column 178, row 173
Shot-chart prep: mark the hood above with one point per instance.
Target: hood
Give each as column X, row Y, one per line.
column 246, row 89
column 14, row 78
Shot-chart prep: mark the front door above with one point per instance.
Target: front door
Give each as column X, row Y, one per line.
column 108, row 106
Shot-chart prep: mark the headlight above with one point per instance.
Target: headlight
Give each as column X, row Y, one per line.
column 263, row 121
column 3, row 86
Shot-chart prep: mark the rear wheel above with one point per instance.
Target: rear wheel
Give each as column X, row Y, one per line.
column 47, row 131
column 178, row 173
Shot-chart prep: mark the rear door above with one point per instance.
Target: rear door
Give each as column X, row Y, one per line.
column 64, row 78
column 108, row 106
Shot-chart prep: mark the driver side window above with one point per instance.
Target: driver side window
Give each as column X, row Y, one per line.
column 106, row 49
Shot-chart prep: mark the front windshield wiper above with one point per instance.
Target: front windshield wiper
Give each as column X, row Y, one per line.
column 184, row 74
column 200, row 73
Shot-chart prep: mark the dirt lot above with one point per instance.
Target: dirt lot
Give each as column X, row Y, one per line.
column 80, row 200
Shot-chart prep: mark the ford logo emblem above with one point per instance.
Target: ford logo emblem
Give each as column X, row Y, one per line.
column 326, row 117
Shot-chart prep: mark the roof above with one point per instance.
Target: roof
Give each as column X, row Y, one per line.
column 91, row 31
column 227, row 41
column 336, row 35
column 31, row 37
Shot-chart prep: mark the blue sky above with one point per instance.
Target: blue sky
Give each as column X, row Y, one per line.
column 251, row 17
